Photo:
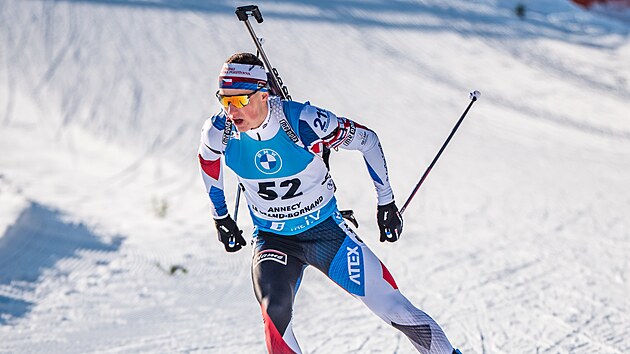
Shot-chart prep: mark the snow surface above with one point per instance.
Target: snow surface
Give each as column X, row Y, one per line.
column 518, row 242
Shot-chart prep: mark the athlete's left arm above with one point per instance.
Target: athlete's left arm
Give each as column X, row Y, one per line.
column 319, row 127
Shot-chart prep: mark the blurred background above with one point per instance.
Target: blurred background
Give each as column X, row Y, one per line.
column 517, row 242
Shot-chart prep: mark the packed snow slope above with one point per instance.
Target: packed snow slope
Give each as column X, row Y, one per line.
column 518, row 241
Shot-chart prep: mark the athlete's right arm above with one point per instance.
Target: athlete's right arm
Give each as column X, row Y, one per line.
column 210, row 150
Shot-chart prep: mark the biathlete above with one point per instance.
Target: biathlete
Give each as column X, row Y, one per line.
column 276, row 148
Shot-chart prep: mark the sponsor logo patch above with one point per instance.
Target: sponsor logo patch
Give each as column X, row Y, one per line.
column 355, row 267
column 270, row 255
column 350, row 137
column 278, row 226
column 268, row 161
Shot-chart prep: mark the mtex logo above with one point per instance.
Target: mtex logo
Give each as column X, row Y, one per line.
column 270, row 255
column 355, row 266
column 347, row 268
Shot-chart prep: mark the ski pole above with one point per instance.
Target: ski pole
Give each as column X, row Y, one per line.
column 238, row 199
column 474, row 96
column 232, row 240
column 277, row 87
column 243, row 13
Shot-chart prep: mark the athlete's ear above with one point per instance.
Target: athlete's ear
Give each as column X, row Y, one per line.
column 264, row 96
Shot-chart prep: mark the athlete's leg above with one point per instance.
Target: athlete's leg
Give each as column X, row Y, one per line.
column 276, row 276
column 386, row 301
column 355, row 268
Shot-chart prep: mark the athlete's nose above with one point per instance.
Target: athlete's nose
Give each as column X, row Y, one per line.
column 231, row 110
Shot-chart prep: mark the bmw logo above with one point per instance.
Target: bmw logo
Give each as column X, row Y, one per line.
column 268, row 161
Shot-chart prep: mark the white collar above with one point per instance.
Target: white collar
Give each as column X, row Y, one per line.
column 267, row 129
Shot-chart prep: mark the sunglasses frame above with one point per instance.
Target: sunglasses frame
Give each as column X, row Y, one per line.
column 248, row 95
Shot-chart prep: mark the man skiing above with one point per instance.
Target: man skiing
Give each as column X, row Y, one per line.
column 276, row 148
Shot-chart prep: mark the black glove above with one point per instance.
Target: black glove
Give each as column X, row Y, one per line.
column 229, row 234
column 390, row 222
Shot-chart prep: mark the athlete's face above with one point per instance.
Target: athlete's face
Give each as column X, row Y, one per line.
column 250, row 116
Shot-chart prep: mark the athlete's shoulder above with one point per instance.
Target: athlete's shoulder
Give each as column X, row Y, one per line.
column 212, row 130
column 217, row 121
column 320, row 121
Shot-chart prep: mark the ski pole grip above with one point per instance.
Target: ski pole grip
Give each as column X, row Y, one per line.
column 474, row 95
column 243, row 12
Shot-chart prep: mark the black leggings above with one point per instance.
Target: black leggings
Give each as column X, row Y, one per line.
column 334, row 249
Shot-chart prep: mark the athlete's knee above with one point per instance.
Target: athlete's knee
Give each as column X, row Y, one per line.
column 278, row 308
column 390, row 304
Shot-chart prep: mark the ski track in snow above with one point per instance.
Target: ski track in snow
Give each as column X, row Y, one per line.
column 517, row 242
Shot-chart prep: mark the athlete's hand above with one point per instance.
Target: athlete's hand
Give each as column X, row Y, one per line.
column 229, row 234
column 390, row 222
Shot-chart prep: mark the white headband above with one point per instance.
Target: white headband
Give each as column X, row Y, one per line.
column 242, row 76
column 244, row 70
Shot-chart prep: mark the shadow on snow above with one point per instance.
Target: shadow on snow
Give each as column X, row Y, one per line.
column 566, row 23
column 38, row 239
